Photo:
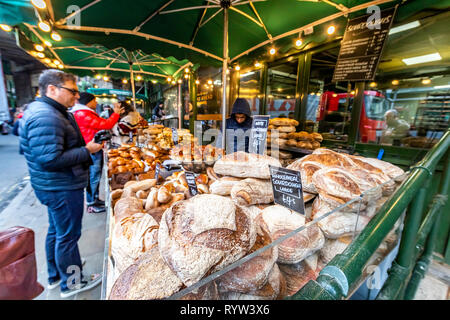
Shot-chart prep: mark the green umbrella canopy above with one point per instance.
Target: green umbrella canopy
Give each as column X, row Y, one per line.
column 97, row 60
column 193, row 29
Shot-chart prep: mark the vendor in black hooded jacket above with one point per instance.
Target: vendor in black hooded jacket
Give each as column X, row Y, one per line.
column 238, row 127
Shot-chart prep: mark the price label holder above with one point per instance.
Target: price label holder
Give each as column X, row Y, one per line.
column 190, row 178
column 157, row 169
column 258, row 135
column 175, row 136
column 287, row 189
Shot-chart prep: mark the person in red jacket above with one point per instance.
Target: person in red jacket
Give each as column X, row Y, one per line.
column 90, row 123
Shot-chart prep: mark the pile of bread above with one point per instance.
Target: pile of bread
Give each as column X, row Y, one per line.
column 162, row 251
column 130, row 158
column 188, row 152
column 281, row 132
column 285, row 157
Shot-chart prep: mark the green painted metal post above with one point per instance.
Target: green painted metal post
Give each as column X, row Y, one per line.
column 263, row 89
column 193, row 100
column 401, row 267
column 356, row 112
column 303, row 87
column 338, row 277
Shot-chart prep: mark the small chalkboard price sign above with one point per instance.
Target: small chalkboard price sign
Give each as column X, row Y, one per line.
column 175, row 136
column 258, row 134
column 190, row 178
column 157, row 169
column 287, row 188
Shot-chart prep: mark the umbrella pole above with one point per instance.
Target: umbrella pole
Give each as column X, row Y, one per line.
column 132, row 85
column 179, row 106
column 224, row 74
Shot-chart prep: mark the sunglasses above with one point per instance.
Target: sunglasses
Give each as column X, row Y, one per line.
column 73, row 91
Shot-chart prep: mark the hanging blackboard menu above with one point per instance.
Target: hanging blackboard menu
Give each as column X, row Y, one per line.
column 362, row 45
column 192, row 185
column 287, row 188
column 258, row 134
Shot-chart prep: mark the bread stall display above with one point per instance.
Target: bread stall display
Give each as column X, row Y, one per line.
column 161, row 231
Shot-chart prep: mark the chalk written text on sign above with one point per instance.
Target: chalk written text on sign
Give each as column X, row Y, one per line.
column 258, row 134
column 361, row 47
column 287, row 188
column 190, row 179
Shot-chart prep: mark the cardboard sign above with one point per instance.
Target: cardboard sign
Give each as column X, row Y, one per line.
column 190, row 178
column 287, row 188
column 362, row 45
column 258, row 136
column 175, row 136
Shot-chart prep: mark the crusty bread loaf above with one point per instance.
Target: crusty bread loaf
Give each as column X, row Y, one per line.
column 270, row 291
column 133, row 236
column 252, row 191
column 147, row 279
column 126, row 207
column 338, row 224
column 286, row 129
column 283, row 122
column 222, row 187
column 207, row 292
column 142, row 185
column 333, row 247
column 307, row 169
column 203, row 235
column 254, row 273
column 280, row 221
column 245, row 165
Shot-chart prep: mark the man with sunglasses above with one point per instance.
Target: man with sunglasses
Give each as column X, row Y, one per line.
column 58, row 161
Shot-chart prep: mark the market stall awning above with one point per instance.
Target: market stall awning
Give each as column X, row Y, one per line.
column 193, row 29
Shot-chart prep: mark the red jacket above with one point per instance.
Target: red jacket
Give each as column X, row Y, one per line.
column 90, row 122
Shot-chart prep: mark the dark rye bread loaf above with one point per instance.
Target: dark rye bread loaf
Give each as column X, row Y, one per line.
column 254, row 273
column 147, row 279
column 204, row 234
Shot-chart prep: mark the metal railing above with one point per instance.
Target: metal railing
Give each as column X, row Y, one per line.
column 344, row 271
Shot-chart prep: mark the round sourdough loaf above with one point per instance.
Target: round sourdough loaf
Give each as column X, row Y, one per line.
column 253, row 274
column 269, row 291
column 204, row 234
column 333, row 247
column 280, row 221
column 207, row 292
column 147, row 279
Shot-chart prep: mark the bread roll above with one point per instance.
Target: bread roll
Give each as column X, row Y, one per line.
column 291, row 142
column 116, row 194
column 283, row 122
column 286, row 129
column 280, row 221
column 141, row 194
column 245, row 165
column 152, row 200
column 164, row 195
column 143, row 185
column 148, row 279
column 204, row 234
column 252, row 191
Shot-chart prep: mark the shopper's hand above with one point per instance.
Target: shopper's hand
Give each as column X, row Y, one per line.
column 94, row 147
column 118, row 109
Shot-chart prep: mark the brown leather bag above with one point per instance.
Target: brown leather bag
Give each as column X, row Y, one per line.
column 18, row 272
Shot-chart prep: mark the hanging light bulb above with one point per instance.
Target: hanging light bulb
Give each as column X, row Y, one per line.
column 180, row 81
column 5, row 27
column 40, row 4
column 426, row 81
column 47, row 43
column 169, row 79
column 197, row 81
column 124, row 81
column 298, row 43
column 60, row 66
column 44, row 26
column 186, row 70
column 237, row 68
column 52, row 65
column 353, row 92
column 138, row 78
column 257, row 64
column 47, row 60
column 56, row 62
column 40, row 55
column 186, row 76
column 272, row 51
column 373, row 84
column 56, row 36
column 210, row 82
column 38, row 47
column 153, row 81
column 331, row 29
column 173, row 82
column 395, row 82
column 105, row 78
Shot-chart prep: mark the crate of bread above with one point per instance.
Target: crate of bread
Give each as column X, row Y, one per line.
column 166, row 240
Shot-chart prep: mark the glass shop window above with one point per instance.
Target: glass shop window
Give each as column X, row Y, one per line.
column 409, row 101
column 281, row 87
column 249, row 89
